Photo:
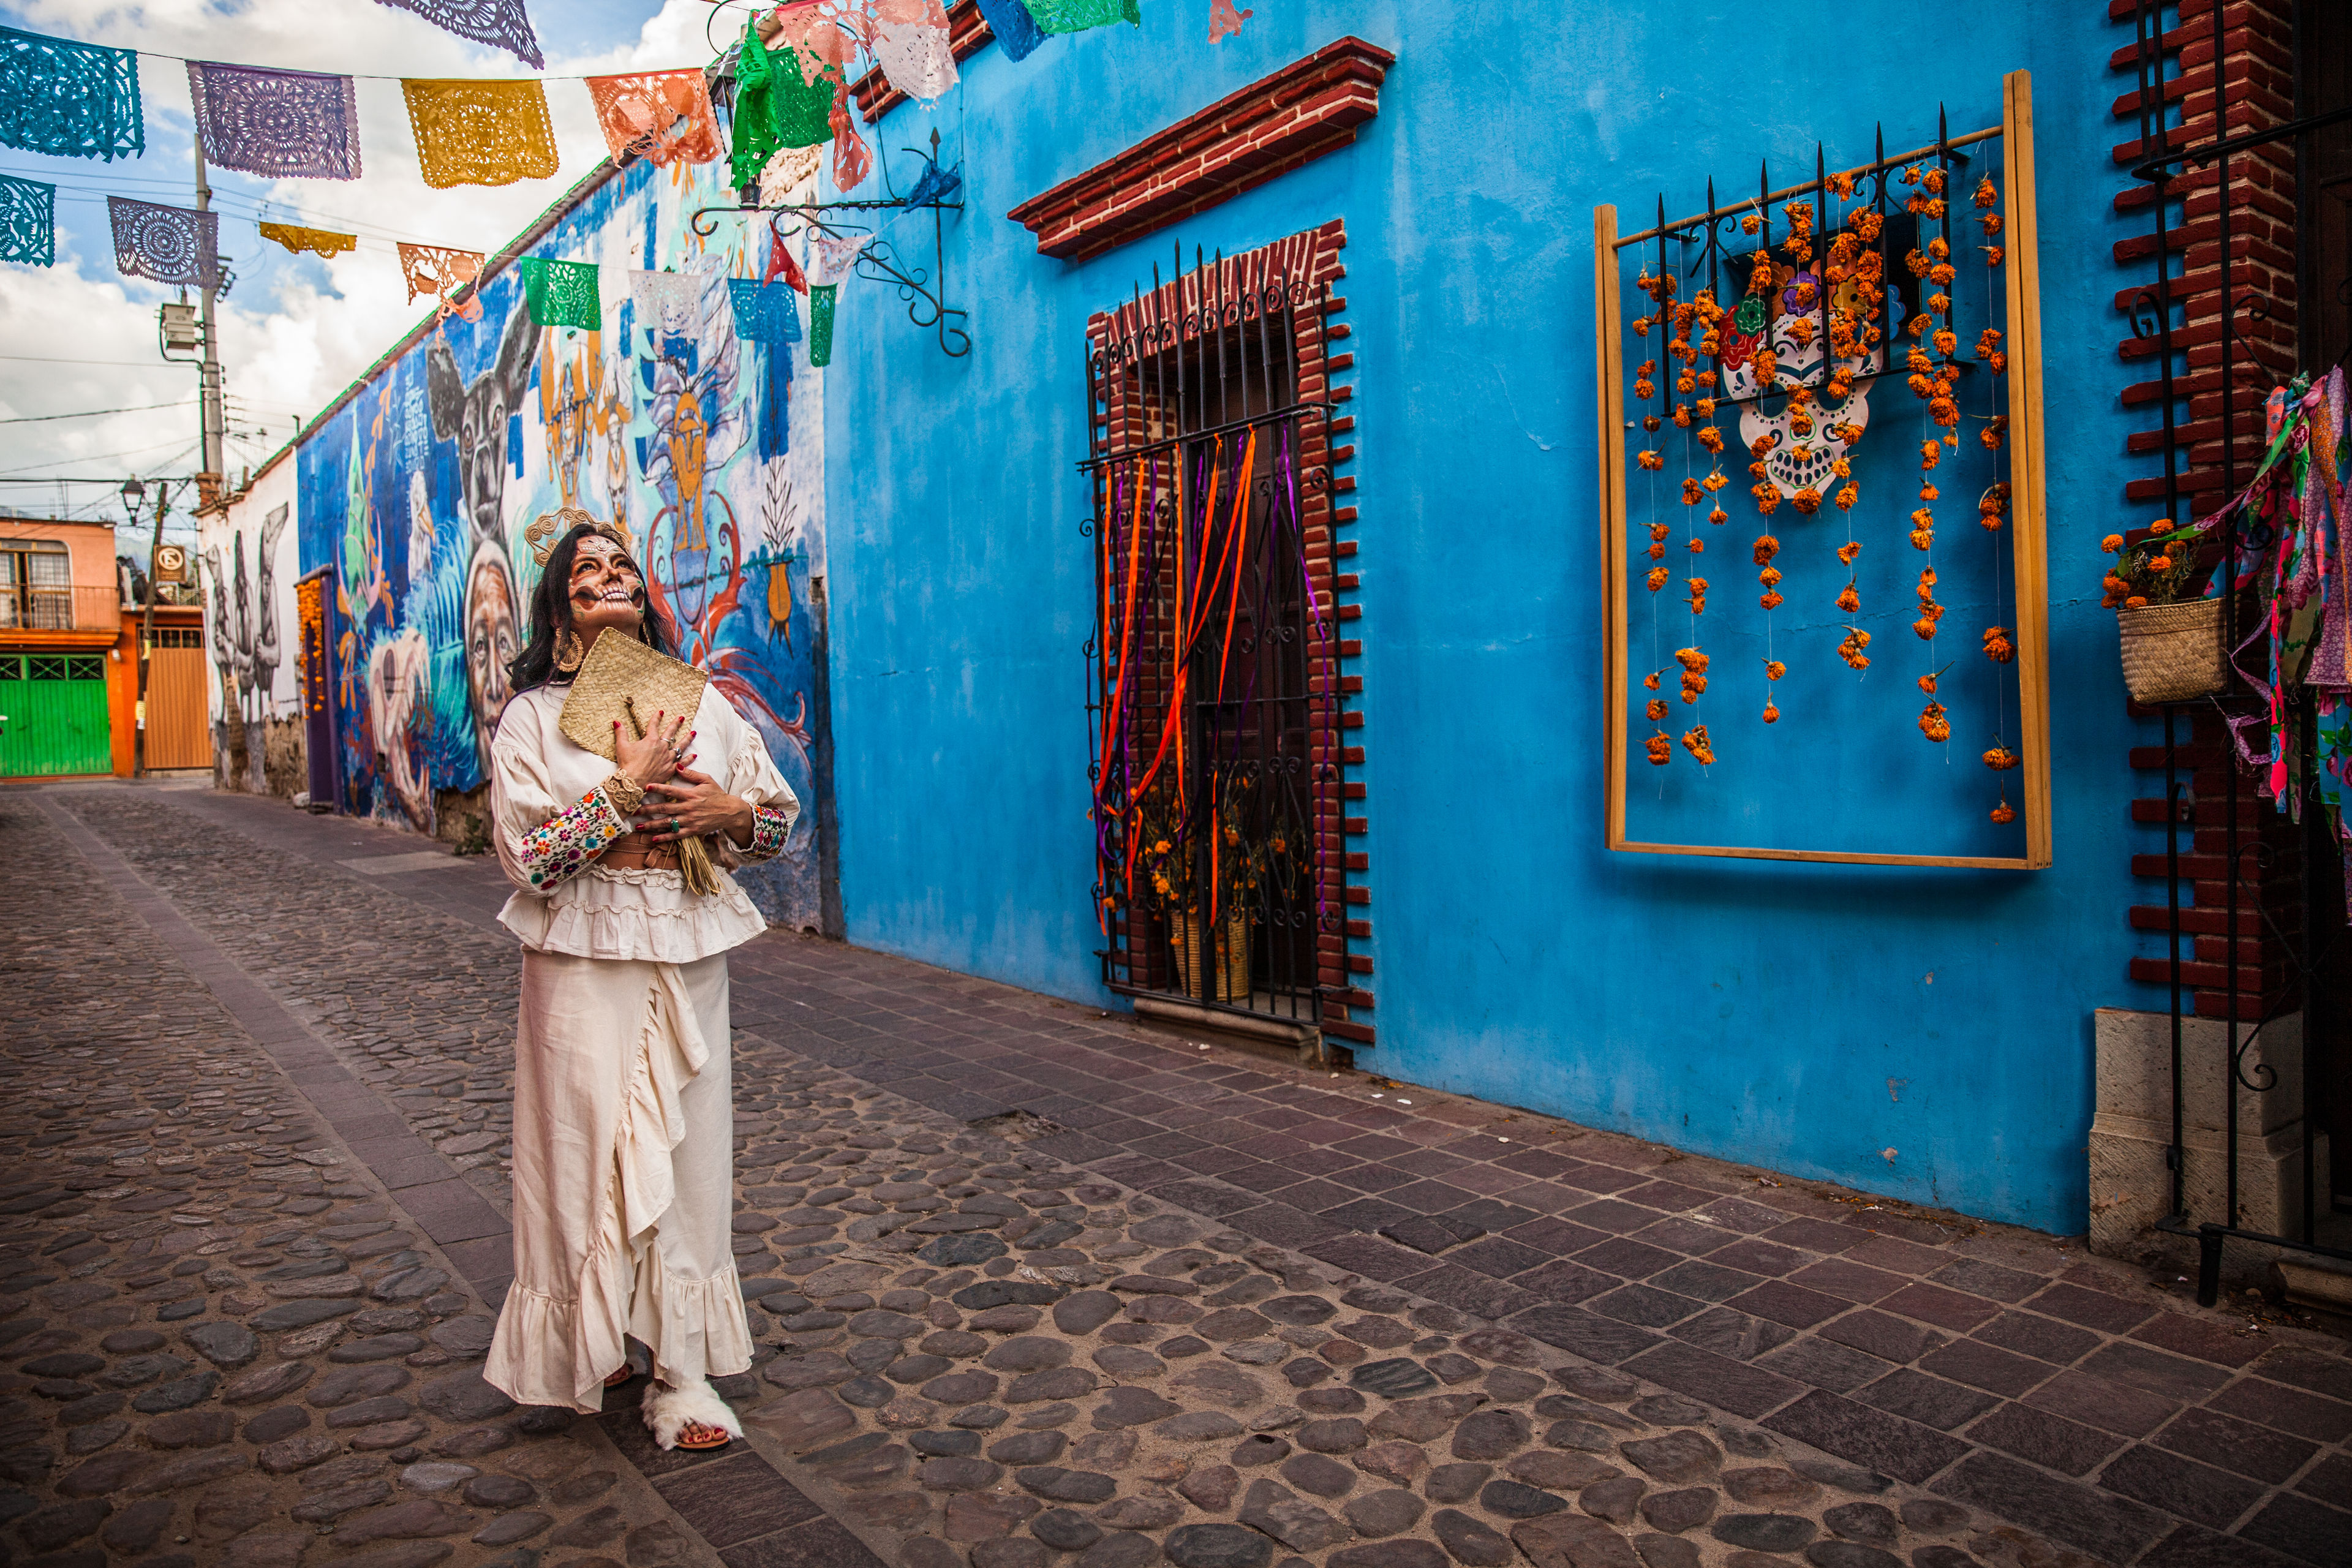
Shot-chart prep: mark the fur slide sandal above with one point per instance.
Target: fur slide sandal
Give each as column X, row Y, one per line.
column 670, row 1413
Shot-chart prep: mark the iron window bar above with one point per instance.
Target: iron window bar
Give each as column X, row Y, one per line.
column 2151, row 315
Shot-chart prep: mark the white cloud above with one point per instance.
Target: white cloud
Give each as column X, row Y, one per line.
column 294, row 331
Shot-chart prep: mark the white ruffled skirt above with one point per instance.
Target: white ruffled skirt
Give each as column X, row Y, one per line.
column 623, row 1180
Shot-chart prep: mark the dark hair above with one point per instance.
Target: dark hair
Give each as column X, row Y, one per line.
column 550, row 612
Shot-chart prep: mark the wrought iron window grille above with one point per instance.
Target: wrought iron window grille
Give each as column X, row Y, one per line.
column 1213, row 696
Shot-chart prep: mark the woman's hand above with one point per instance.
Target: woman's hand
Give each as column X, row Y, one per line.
column 692, row 809
column 658, row 755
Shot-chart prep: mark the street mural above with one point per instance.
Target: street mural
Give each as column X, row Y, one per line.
column 246, row 579
column 431, row 493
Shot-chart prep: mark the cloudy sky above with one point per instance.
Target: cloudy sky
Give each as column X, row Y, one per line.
column 79, row 337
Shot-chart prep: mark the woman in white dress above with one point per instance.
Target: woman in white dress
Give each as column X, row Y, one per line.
column 624, row 1125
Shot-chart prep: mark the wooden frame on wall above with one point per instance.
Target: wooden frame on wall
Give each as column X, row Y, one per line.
column 2028, row 555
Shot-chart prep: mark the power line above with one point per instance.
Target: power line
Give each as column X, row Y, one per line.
column 94, row 413
column 101, row 457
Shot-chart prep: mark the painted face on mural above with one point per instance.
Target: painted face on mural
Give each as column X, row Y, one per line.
column 491, row 642
column 606, row 588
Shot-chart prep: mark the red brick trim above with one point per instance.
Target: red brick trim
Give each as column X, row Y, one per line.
column 1302, row 111
column 2235, row 61
column 1344, row 965
column 968, row 33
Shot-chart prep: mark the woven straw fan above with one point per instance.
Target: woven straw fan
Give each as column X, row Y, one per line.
column 623, row 680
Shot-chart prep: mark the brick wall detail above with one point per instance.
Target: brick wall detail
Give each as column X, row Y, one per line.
column 2224, row 66
column 1309, row 108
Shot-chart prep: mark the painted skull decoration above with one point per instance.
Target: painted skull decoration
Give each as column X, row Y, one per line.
column 1795, row 462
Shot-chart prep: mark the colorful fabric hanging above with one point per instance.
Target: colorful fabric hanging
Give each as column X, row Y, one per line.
column 1077, row 16
column 662, row 116
column 764, row 312
column 442, row 273
column 913, row 50
column 501, row 24
column 852, row 159
column 70, row 99
column 668, row 302
column 822, row 298
column 28, row 222
column 783, row 264
column 281, row 125
column 1016, row 31
column 317, row 241
column 169, row 245
column 560, row 293
column 480, row 133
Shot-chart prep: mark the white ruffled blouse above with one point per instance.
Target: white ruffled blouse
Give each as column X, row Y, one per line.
column 551, row 818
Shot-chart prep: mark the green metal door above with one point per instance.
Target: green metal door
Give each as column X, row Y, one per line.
column 56, row 709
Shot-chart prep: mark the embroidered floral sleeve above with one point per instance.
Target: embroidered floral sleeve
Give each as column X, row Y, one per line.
column 771, row 826
column 560, row 848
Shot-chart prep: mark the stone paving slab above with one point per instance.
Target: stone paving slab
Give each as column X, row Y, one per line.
column 224, row 1343
column 1994, row 1367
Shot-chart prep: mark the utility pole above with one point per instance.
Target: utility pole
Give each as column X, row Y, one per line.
column 215, row 457
column 147, row 624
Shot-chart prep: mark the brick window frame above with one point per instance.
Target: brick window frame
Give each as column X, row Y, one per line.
column 1327, row 512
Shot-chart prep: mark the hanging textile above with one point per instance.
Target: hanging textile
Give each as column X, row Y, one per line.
column 934, row 185
column 28, row 222
column 501, row 24
column 318, row 241
column 822, row 297
column 783, row 264
column 1077, row 16
column 69, row 99
column 480, row 133
column 2287, row 527
column 668, row 302
column 560, row 293
column 764, row 312
column 836, row 255
column 1224, row 21
column 662, row 116
column 278, row 124
column 913, row 50
column 442, row 273
column 1016, row 31
column 169, row 245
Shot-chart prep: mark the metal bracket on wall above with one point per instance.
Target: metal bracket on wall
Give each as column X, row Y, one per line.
column 934, row 191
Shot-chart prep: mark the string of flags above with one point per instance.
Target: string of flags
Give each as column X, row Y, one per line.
column 66, row 98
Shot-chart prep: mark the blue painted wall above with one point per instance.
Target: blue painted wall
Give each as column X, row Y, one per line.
column 1925, row 1033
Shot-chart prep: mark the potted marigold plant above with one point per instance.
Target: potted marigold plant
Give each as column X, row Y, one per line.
column 2171, row 636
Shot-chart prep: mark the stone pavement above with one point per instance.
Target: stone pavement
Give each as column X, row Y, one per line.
column 1716, row 1365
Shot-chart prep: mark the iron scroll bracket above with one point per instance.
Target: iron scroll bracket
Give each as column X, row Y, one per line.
column 924, row 292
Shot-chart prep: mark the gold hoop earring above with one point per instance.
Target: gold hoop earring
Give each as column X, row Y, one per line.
column 569, row 653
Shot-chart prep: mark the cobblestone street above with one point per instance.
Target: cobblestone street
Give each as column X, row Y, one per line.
column 1032, row 1287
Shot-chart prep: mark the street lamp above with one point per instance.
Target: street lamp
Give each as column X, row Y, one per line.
column 134, row 492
